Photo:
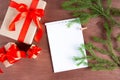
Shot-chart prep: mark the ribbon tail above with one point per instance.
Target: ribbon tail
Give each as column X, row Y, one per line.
column 12, row 26
column 39, row 33
column 17, row 18
column 1, row 71
column 13, row 4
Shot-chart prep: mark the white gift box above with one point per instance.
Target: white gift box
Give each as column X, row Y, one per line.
column 11, row 14
column 7, row 46
column 18, row 55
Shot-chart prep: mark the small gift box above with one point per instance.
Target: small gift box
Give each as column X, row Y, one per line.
column 10, row 53
column 33, row 51
column 22, row 20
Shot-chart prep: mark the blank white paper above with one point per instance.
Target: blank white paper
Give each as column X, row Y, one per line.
column 64, row 43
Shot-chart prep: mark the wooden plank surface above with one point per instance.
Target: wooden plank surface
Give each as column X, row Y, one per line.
column 41, row 68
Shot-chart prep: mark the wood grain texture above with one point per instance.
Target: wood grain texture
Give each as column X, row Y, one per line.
column 41, row 68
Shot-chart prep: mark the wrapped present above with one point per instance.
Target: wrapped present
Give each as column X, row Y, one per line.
column 22, row 20
column 10, row 53
column 33, row 51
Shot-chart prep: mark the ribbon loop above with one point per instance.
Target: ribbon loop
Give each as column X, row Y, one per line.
column 34, row 50
column 22, row 8
column 39, row 12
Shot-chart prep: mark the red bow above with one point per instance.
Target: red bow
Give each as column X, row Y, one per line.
column 30, row 14
column 12, row 54
column 33, row 51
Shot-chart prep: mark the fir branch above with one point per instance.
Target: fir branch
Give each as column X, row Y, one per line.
column 110, row 45
column 115, row 11
column 85, row 10
column 102, row 51
column 118, row 37
column 96, row 63
column 100, row 63
column 75, row 5
column 117, row 48
column 77, row 20
column 81, row 60
column 100, row 40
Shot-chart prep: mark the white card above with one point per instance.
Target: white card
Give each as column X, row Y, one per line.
column 64, row 44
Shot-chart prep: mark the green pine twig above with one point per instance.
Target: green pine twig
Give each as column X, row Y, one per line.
column 85, row 10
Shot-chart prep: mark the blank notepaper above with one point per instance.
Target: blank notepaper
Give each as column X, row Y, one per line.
column 64, row 43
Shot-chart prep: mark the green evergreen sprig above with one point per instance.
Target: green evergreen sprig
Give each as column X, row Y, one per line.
column 96, row 62
column 85, row 10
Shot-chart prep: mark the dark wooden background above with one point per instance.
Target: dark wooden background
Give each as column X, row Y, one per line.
column 41, row 68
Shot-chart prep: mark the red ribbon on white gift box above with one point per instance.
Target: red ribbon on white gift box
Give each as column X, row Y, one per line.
column 30, row 14
column 33, row 51
column 10, row 53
